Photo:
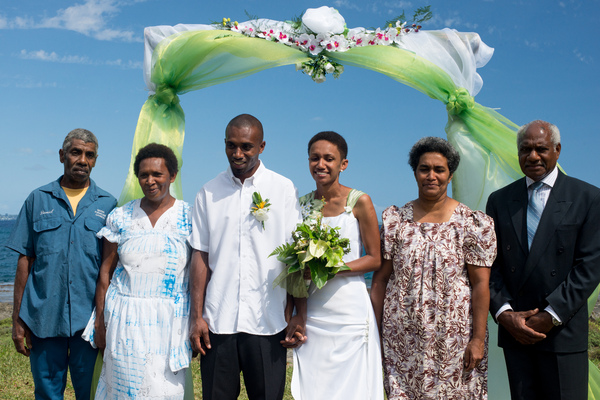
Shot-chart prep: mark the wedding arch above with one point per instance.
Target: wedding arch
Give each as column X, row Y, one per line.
column 442, row 64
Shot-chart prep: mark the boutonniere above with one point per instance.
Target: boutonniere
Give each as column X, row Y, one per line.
column 260, row 208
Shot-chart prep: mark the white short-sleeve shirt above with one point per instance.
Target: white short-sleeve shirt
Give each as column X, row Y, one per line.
column 240, row 296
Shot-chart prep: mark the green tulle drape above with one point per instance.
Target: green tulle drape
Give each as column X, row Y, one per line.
column 197, row 59
column 190, row 61
column 485, row 139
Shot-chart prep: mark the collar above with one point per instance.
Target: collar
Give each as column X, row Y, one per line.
column 58, row 192
column 252, row 179
column 549, row 179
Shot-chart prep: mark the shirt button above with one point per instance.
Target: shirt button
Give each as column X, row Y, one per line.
column 507, row 247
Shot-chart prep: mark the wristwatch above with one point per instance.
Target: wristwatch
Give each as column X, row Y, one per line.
column 556, row 322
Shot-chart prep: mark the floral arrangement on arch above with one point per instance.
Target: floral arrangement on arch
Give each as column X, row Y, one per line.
column 321, row 30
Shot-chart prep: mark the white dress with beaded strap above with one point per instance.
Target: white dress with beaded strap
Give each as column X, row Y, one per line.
column 341, row 358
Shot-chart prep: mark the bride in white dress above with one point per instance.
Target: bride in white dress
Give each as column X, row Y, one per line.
column 341, row 358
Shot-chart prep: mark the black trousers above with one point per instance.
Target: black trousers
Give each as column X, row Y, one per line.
column 261, row 359
column 537, row 375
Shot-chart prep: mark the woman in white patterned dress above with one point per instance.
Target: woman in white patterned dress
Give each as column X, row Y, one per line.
column 341, row 358
column 141, row 318
column 431, row 295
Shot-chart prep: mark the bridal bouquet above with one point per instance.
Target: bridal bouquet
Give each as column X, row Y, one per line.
column 315, row 246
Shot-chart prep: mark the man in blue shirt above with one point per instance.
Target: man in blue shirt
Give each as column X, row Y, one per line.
column 57, row 268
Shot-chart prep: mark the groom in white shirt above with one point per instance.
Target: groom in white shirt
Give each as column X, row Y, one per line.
column 237, row 320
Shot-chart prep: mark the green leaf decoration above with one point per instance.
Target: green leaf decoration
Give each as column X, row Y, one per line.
column 318, row 273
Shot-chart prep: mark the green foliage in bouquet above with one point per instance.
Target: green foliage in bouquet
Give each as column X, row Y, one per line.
column 315, row 246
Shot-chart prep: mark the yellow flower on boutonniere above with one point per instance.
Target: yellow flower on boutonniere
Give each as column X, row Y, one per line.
column 260, row 208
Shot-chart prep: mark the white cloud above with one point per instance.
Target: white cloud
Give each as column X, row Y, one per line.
column 126, row 65
column 90, row 18
column 533, row 45
column 29, row 84
column 562, row 4
column 346, row 4
column 401, row 4
column 42, row 55
column 25, row 150
column 452, row 22
column 581, row 57
column 25, row 82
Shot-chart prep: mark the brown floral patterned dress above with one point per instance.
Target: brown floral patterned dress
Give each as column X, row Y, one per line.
column 427, row 310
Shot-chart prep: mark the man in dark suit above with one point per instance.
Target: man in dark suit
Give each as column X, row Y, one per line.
column 548, row 264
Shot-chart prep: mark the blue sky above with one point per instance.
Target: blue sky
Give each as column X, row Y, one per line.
column 77, row 63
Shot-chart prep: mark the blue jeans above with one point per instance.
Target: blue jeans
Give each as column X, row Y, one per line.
column 51, row 357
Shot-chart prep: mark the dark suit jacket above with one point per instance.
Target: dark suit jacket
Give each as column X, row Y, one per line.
column 562, row 269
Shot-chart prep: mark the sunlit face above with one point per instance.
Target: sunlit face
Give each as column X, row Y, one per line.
column 325, row 162
column 154, row 179
column 537, row 154
column 242, row 146
column 432, row 175
column 78, row 162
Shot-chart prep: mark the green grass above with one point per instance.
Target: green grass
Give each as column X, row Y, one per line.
column 16, row 381
column 594, row 342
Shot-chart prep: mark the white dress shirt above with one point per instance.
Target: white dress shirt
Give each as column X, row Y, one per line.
column 544, row 192
column 240, row 296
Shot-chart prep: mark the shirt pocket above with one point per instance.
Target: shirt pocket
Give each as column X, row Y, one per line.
column 48, row 236
column 90, row 241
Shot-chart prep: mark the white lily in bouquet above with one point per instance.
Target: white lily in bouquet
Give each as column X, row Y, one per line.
column 315, row 247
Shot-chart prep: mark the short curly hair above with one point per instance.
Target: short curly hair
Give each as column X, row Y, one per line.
column 155, row 150
column 432, row 144
column 333, row 138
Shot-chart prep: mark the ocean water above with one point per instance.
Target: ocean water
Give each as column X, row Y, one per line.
column 8, row 263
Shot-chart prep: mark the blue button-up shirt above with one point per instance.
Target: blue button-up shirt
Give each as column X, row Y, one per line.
column 59, row 294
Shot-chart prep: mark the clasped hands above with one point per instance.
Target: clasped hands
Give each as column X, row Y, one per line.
column 527, row 327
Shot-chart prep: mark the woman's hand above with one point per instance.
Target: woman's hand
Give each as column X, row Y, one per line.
column 473, row 353
column 100, row 334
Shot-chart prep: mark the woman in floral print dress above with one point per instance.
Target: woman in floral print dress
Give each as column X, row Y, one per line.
column 431, row 295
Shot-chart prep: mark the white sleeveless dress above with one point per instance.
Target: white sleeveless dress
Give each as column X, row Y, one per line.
column 341, row 358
